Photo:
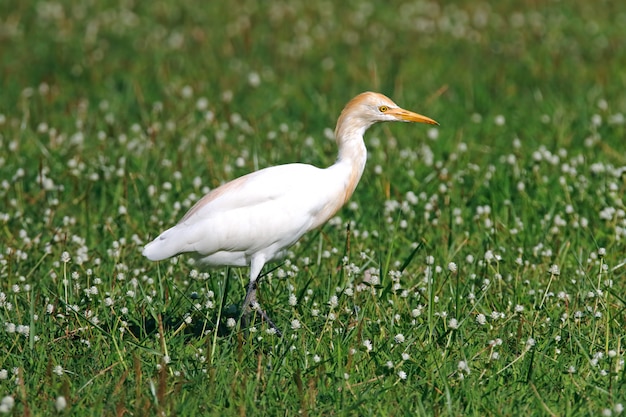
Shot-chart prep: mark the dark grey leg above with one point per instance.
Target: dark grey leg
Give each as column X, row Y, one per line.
column 251, row 305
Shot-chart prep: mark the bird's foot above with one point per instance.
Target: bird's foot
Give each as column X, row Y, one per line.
column 251, row 305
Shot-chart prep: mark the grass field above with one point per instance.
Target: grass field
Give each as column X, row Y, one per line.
column 479, row 269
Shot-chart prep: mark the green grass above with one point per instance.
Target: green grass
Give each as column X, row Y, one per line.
column 116, row 117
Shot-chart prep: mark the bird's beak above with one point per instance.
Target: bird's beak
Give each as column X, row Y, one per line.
column 409, row 116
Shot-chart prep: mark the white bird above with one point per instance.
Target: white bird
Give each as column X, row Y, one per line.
column 254, row 219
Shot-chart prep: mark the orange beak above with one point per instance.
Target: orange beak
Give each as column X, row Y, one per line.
column 409, row 116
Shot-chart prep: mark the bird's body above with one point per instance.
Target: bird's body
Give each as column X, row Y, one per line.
column 277, row 205
column 254, row 219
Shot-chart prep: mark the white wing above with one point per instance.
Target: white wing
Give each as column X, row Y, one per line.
column 267, row 210
column 250, row 190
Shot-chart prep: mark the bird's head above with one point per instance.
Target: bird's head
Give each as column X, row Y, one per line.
column 368, row 108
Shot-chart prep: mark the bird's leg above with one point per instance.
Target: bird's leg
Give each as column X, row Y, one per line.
column 250, row 303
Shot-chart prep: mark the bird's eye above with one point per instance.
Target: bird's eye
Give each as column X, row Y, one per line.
column 383, row 109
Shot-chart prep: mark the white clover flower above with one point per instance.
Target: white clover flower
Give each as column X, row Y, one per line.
column 481, row 319
column 295, row 324
column 186, row 91
column 402, row 375
column 60, row 404
column 554, row 270
column 452, row 267
column 227, row 96
column 596, row 120
column 368, row 345
column 65, row 257
column 416, row 312
column 453, row 323
column 495, row 315
column 399, row 338
column 6, row 404
column 333, row 302
column 293, row 300
column 202, row 104
column 254, row 79
column 433, row 133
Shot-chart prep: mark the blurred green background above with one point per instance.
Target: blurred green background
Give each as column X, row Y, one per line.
column 116, row 116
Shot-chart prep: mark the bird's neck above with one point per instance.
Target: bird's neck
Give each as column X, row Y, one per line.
column 349, row 136
column 352, row 151
column 352, row 155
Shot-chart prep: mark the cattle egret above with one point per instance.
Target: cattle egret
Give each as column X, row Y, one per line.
column 254, row 219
